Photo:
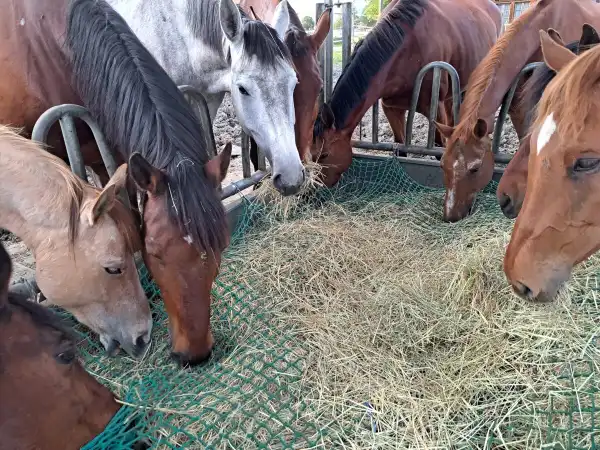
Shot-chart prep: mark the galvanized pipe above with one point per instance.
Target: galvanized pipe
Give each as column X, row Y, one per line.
column 240, row 185
column 433, row 105
column 346, row 32
column 200, row 107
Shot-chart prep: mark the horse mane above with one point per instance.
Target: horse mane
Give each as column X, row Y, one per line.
column 573, row 95
column 260, row 40
column 483, row 77
column 140, row 109
column 382, row 42
column 75, row 188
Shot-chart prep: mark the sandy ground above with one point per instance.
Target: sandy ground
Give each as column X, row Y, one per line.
column 227, row 129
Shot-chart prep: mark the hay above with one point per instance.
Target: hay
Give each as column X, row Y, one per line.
column 414, row 337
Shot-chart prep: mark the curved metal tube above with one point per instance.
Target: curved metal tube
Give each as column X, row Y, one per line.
column 200, row 107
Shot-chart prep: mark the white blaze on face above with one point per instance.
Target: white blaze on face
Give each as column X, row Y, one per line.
column 546, row 132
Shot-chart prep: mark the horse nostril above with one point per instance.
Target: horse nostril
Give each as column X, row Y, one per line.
column 277, row 182
column 522, row 290
column 140, row 342
column 505, row 201
column 185, row 360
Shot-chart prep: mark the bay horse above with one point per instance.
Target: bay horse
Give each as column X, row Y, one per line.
column 48, row 400
column 304, row 50
column 559, row 226
column 511, row 189
column 468, row 162
column 214, row 46
column 387, row 61
column 83, row 52
column 83, row 240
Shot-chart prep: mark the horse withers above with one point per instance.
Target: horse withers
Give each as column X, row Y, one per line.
column 559, row 226
column 387, row 62
column 468, row 162
column 48, row 400
column 216, row 47
column 511, row 189
column 86, row 54
column 83, row 240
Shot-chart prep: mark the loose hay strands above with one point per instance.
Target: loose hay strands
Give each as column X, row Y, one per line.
column 415, row 339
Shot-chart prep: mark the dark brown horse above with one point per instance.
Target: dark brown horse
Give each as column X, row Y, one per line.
column 304, row 48
column 48, row 401
column 468, row 162
column 559, row 224
column 511, row 189
column 387, row 61
column 82, row 52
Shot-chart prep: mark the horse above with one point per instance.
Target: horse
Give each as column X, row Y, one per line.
column 386, row 63
column 511, row 189
column 304, row 49
column 214, row 46
column 48, row 400
column 468, row 162
column 83, row 240
column 83, row 52
column 558, row 226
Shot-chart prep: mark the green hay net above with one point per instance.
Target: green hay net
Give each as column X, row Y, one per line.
column 259, row 367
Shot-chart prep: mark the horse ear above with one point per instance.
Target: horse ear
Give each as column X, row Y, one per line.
column 216, row 168
column 254, row 15
column 327, row 116
column 281, row 19
column 555, row 35
column 107, row 198
column 147, row 177
column 5, row 273
column 321, row 29
column 556, row 56
column 231, row 20
column 589, row 37
column 480, row 130
column 444, row 130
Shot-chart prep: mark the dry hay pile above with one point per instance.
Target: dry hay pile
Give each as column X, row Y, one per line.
column 415, row 339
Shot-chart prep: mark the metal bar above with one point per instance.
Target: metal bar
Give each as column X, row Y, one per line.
column 433, row 105
column 375, row 122
column 329, row 60
column 245, row 144
column 262, row 162
column 67, row 126
column 240, row 185
column 395, row 147
column 321, row 53
column 506, row 102
column 200, row 107
column 346, row 33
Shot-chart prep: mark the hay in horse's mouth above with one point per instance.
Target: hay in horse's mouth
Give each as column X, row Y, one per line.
column 414, row 337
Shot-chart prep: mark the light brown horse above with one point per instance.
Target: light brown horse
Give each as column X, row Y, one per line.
column 387, row 61
column 511, row 189
column 83, row 52
column 304, row 48
column 559, row 225
column 83, row 240
column 48, row 401
column 468, row 162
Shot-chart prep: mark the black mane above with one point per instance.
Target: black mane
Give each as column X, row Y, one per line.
column 140, row 109
column 260, row 40
column 382, row 42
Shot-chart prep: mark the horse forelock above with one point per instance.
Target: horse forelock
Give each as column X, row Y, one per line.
column 141, row 109
column 261, row 41
column 573, row 96
column 483, row 76
column 374, row 51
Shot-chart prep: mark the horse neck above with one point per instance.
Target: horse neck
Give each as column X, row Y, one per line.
column 522, row 47
column 34, row 201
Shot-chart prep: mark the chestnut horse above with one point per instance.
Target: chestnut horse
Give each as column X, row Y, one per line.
column 83, row 52
column 468, row 162
column 559, row 226
column 83, row 240
column 386, row 64
column 304, row 48
column 511, row 189
column 48, row 400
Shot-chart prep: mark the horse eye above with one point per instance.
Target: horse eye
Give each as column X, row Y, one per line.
column 243, row 90
column 586, row 164
column 113, row 270
column 66, row 357
column 473, row 170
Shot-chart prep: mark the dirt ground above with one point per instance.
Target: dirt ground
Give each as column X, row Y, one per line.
column 227, row 129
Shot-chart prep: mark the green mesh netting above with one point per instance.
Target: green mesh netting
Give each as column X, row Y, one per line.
column 260, row 366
